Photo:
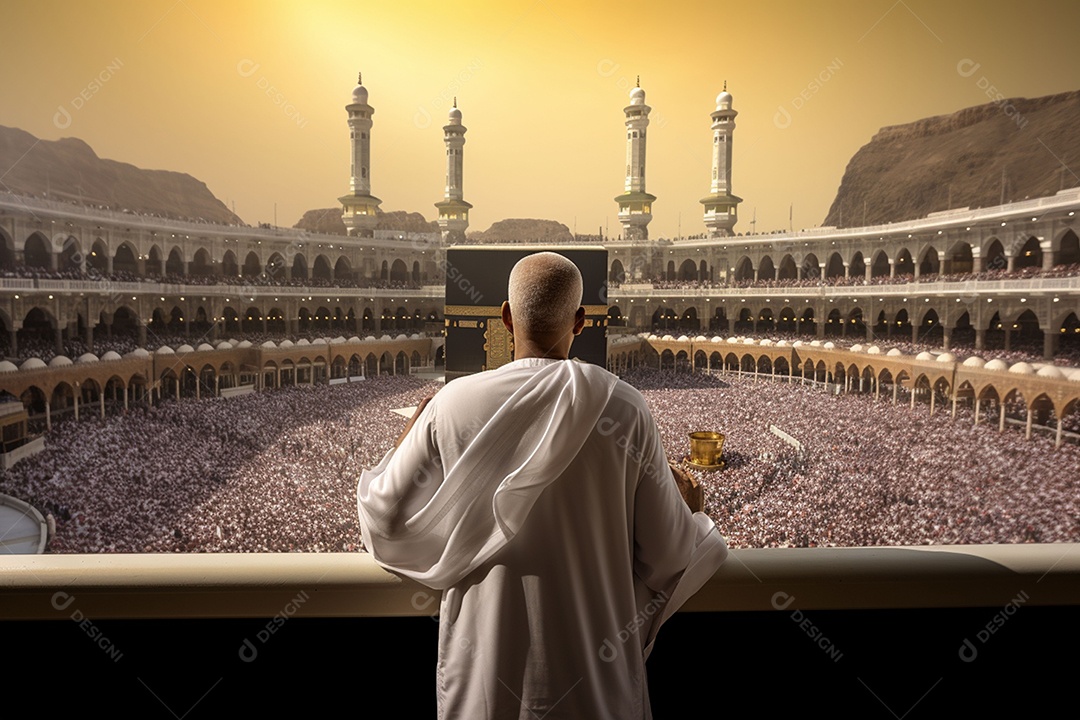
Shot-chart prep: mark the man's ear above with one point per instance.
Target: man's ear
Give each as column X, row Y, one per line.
column 579, row 320
column 507, row 319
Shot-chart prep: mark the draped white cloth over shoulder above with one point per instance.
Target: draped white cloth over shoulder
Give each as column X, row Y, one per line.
column 468, row 517
column 538, row 498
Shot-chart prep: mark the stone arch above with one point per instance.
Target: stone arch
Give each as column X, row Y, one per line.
column 229, row 266
column 1068, row 249
column 994, row 256
column 766, row 269
column 959, row 258
column 880, row 265
column 857, row 265
column 744, row 269
column 788, row 270
column 929, row 263
column 904, row 264
column 343, row 269
column 835, row 266
column 200, row 264
column 320, row 269
column 153, row 264
column 175, row 265
column 616, row 274
column 299, row 267
column 1028, row 255
column 252, row 265
column 7, row 251
column 37, row 252
column 399, row 272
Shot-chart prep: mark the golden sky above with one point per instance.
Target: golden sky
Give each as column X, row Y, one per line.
column 249, row 96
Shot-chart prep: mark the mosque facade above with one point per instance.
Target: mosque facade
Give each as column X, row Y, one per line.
column 76, row 276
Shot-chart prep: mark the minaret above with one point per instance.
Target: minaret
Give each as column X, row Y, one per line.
column 453, row 210
column 359, row 207
column 635, row 205
column 721, row 207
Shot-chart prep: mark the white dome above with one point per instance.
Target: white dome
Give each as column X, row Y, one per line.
column 637, row 96
column 359, row 93
column 455, row 115
column 925, row 356
column 946, row 357
column 32, row 364
column 683, row 338
column 701, row 338
column 303, row 341
column 748, row 341
column 1049, row 371
column 723, row 101
column 797, row 343
column 338, row 340
column 733, row 339
column 386, row 338
column 668, row 337
column 830, row 345
column 765, row 342
column 7, row 366
column 369, row 338
column 269, row 345
column 244, row 344
column 401, row 337
column 185, row 349
column 354, row 339
column 415, row 336
column 164, row 350
column 815, row 343
column 285, row 344
column 87, row 358
column 136, row 353
column 856, row 348
column 781, row 343
column 717, row 339
column 60, row 361
column 894, row 353
column 873, row 350
column 224, row 345
column 1074, row 376
column 1022, row 368
column 203, row 347
column 974, row 362
column 996, row 364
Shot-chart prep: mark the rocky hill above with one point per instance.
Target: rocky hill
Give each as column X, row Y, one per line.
column 963, row 159
column 69, row 170
column 523, row 229
column 328, row 220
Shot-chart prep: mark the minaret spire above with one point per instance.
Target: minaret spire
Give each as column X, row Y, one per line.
column 453, row 210
column 359, row 208
column 721, row 207
column 635, row 204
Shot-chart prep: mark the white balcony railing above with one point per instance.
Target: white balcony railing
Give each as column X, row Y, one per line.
column 352, row 585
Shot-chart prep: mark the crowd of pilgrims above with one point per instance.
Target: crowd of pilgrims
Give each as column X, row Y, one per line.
column 276, row 471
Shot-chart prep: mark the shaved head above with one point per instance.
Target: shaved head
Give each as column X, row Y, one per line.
column 544, row 293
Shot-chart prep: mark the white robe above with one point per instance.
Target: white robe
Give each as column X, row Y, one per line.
column 538, row 498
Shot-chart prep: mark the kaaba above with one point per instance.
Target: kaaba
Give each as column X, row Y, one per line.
column 476, row 282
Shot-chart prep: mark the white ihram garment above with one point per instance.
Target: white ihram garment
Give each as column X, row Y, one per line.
column 538, row 498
